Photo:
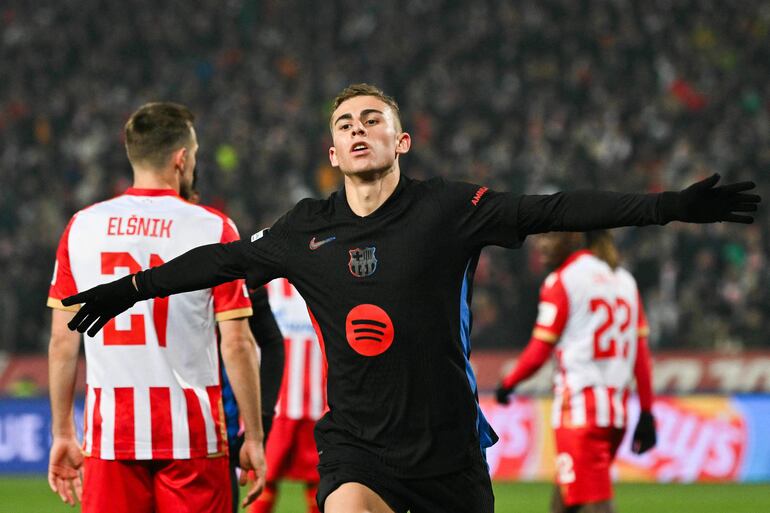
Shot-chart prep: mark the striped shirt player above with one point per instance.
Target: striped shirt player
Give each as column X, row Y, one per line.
column 291, row 451
column 591, row 317
column 303, row 390
column 153, row 385
column 595, row 315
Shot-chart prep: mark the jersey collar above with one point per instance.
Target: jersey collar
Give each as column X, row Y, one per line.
column 133, row 191
column 574, row 256
column 342, row 201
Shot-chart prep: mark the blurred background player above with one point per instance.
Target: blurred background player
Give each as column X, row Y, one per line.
column 591, row 312
column 290, row 450
column 154, row 437
column 271, row 357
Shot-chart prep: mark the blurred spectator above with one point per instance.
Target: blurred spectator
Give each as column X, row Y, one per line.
column 520, row 96
column 22, row 387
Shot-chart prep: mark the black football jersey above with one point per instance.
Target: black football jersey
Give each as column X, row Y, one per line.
column 389, row 295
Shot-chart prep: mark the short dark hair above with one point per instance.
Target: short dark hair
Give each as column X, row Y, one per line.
column 156, row 130
column 354, row 90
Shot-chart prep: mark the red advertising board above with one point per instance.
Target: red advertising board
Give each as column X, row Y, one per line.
column 704, row 438
column 673, row 372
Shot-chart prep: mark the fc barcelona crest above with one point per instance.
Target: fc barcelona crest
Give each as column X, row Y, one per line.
column 362, row 263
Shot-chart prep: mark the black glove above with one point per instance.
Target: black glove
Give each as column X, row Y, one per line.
column 703, row 203
column 101, row 304
column 502, row 394
column 644, row 434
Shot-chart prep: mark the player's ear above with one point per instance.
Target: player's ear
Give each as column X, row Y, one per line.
column 179, row 157
column 403, row 143
column 333, row 157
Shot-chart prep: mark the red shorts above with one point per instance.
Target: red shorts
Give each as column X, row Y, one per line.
column 583, row 460
column 156, row 486
column 291, row 450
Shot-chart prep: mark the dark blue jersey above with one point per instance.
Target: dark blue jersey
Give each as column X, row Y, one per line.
column 390, row 295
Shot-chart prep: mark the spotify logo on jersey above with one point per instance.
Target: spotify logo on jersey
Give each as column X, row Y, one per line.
column 369, row 330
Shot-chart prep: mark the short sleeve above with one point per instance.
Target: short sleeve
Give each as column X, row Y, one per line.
column 62, row 282
column 231, row 299
column 483, row 216
column 552, row 310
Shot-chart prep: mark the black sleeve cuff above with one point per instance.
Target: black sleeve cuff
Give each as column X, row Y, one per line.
column 669, row 207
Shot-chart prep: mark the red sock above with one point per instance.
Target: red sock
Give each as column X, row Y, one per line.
column 266, row 500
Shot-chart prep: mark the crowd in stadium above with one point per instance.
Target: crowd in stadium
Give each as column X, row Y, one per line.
column 515, row 96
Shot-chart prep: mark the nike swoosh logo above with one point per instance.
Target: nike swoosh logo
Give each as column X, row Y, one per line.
column 315, row 245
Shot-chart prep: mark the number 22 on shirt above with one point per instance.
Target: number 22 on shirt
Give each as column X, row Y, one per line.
column 613, row 330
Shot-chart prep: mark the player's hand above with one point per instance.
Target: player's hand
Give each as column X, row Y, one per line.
column 64, row 463
column 503, row 394
column 644, row 434
column 703, row 202
column 102, row 303
column 252, row 458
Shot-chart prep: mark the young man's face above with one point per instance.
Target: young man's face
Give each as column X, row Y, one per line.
column 366, row 136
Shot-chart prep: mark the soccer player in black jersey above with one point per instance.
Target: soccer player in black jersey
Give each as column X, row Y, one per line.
column 385, row 266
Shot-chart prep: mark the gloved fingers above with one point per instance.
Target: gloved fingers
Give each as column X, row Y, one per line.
column 99, row 324
column 642, row 444
column 746, row 198
column 737, row 187
column 77, row 299
column 503, row 395
column 645, row 445
column 79, row 318
column 744, row 207
column 735, row 218
column 88, row 321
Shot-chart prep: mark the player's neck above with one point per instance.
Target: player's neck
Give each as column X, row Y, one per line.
column 151, row 179
column 367, row 194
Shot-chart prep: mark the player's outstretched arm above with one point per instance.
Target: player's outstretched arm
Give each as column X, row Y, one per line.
column 199, row 268
column 534, row 356
column 702, row 202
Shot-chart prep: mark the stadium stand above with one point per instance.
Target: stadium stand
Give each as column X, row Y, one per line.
column 529, row 96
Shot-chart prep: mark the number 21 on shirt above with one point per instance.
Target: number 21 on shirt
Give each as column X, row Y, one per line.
column 134, row 336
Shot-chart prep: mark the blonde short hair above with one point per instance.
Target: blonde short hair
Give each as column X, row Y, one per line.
column 354, row 90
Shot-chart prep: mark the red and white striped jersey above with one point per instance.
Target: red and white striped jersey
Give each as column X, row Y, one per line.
column 595, row 316
column 303, row 389
column 152, row 372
